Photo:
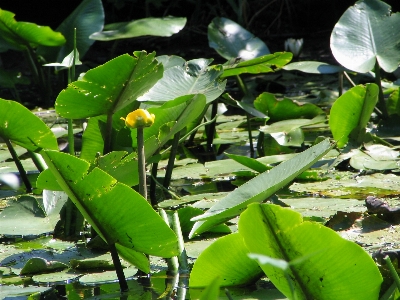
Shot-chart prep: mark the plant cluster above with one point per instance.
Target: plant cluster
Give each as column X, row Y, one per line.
column 141, row 108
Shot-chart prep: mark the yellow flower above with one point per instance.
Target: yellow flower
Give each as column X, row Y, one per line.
column 139, row 118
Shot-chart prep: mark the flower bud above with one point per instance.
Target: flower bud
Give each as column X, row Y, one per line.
column 139, row 118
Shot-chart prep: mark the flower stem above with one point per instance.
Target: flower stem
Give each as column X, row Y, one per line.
column 141, row 163
column 19, row 165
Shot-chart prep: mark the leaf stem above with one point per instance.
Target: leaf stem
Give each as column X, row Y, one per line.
column 141, row 162
column 153, row 184
column 173, row 262
column 171, row 160
column 182, row 258
column 393, row 271
column 246, row 93
column 381, row 99
column 118, row 269
column 19, row 165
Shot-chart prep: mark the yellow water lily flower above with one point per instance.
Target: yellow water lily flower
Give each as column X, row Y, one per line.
column 139, row 118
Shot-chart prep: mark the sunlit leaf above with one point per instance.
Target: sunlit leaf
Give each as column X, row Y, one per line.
column 351, row 112
column 149, row 26
column 24, row 128
column 282, row 234
column 231, row 40
column 263, row 64
column 227, row 258
column 109, row 87
column 118, row 213
column 259, row 188
column 194, row 77
column 364, row 35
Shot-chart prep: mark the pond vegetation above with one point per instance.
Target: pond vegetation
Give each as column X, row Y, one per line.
column 157, row 177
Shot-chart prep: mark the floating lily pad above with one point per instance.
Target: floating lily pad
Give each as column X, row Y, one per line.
column 105, row 277
column 359, row 187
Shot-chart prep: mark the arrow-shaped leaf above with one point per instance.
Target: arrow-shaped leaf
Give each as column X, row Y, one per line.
column 259, row 188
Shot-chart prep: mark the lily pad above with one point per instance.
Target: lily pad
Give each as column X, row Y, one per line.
column 359, row 187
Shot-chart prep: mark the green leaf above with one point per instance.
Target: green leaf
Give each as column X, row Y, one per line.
column 24, row 128
column 351, row 112
column 109, row 87
column 259, row 188
column 226, row 258
column 121, row 166
column 93, row 137
column 231, row 40
column 365, row 33
column 285, row 108
column 314, row 67
column 249, row 162
column 119, row 214
column 282, row 234
column 179, row 113
column 194, row 77
column 136, row 258
column 87, row 18
column 25, row 34
column 149, row 26
column 393, row 103
column 211, row 292
column 263, row 64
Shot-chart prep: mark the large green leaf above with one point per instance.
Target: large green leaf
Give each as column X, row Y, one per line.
column 332, row 267
column 285, row 108
column 259, row 188
column 231, row 40
column 149, row 26
column 87, row 18
column 366, row 33
column 24, row 34
column 24, row 128
column 109, row 87
column 351, row 112
column 118, row 213
column 194, row 77
column 262, row 64
column 227, row 258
